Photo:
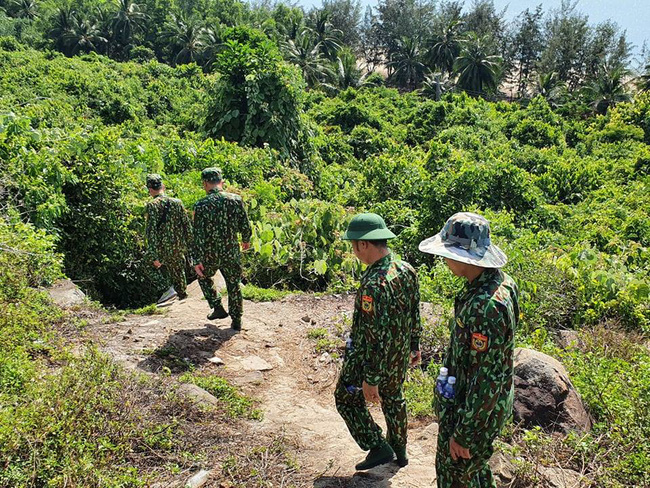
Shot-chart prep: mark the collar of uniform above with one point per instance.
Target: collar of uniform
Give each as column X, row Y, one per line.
column 159, row 195
column 379, row 263
column 215, row 190
column 481, row 279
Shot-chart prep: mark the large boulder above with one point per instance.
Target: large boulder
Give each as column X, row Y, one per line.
column 66, row 294
column 544, row 394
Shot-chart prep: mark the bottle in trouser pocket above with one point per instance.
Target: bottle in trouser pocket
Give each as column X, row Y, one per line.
column 450, row 387
column 442, row 380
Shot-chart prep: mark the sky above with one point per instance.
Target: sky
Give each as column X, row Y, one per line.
column 631, row 15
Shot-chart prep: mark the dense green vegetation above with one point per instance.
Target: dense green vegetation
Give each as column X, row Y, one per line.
column 566, row 190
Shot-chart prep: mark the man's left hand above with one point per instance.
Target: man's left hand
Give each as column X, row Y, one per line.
column 457, row 451
column 245, row 246
column 371, row 393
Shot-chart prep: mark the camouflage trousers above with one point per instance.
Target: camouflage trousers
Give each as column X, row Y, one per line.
column 174, row 268
column 231, row 272
column 354, row 411
column 463, row 473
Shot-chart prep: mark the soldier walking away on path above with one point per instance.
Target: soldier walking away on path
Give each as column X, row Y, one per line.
column 385, row 335
column 480, row 353
column 168, row 233
column 218, row 218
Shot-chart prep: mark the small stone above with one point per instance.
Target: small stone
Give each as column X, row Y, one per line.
column 306, row 318
column 325, row 358
column 255, row 363
column 130, row 331
column 198, row 480
column 216, row 360
column 280, row 324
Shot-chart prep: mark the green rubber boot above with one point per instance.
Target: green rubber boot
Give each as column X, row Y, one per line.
column 402, row 458
column 218, row 313
column 381, row 454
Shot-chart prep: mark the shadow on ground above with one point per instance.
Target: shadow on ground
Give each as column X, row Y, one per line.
column 188, row 349
column 376, row 478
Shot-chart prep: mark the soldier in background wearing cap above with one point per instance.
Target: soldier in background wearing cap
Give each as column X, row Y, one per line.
column 480, row 354
column 385, row 334
column 218, row 219
column 168, row 232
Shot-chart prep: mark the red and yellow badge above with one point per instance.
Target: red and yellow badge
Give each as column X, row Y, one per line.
column 366, row 303
column 479, row 342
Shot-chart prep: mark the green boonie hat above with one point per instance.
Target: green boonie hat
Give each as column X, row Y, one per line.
column 211, row 175
column 154, row 181
column 367, row 227
column 466, row 238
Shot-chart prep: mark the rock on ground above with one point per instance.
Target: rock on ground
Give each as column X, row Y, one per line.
column 544, row 394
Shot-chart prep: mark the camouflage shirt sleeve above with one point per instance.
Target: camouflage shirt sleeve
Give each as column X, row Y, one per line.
column 486, row 379
column 199, row 233
column 374, row 320
column 244, row 225
column 416, row 332
column 150, row 231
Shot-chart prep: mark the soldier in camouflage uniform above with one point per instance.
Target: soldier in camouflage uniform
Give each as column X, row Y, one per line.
column 385, row 334
column 218, row 218
column 480, row 353
column 168, row 233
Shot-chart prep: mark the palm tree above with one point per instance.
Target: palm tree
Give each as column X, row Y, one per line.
column 443, row 49
column 477, row 71
column 187, row 39
column 64, row 22
column 85, row 36
column 551, row 88
column 643, row 81
column 128, row 19
column 406, row 66
column 25, row 9
column 306, row 53
column 348, row 73
column 322, row 30
column 607, row 90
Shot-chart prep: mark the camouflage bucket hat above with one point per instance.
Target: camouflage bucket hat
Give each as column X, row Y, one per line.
column 211, row 175
column 154, row 181
column 367, row 227
column 466, row 238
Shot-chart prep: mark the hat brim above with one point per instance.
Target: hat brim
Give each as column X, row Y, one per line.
column 493, row 257
column 373, row 235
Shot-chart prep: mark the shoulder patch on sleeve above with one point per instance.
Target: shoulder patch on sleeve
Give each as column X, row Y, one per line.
column 460, row 322
column 366, row 303
column 479, row 342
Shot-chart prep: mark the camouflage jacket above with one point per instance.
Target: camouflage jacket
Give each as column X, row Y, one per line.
column 480, row 356
column 168, row 230
column 218, row 218
column 386, row 323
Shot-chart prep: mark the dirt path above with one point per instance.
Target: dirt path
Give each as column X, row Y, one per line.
column 273, row 360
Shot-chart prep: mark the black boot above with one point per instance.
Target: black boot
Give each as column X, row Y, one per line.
column 236, row 324
column 381, row 454
column 218, row 313
column 402, row 458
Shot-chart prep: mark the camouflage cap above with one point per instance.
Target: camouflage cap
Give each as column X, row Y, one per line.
column 466, row 238
column 367, row 227
column 212, row 175
column 154, row 181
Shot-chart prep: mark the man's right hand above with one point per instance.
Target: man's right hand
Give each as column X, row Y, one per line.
column 199, row 270
column 157, row 263
column 245, row 246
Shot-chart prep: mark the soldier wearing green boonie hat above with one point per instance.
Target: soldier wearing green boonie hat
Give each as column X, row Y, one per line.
column 168, row 233
column 384, row 338
column 219, row 220
column 480, row 353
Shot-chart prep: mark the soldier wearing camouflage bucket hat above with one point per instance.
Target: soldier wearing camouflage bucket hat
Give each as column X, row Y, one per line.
column 480, row 354
column 168, row 233
column 219, row 218
column 385, row 334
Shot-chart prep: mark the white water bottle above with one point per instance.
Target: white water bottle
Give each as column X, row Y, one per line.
column 449, row 391
column 442, row 380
